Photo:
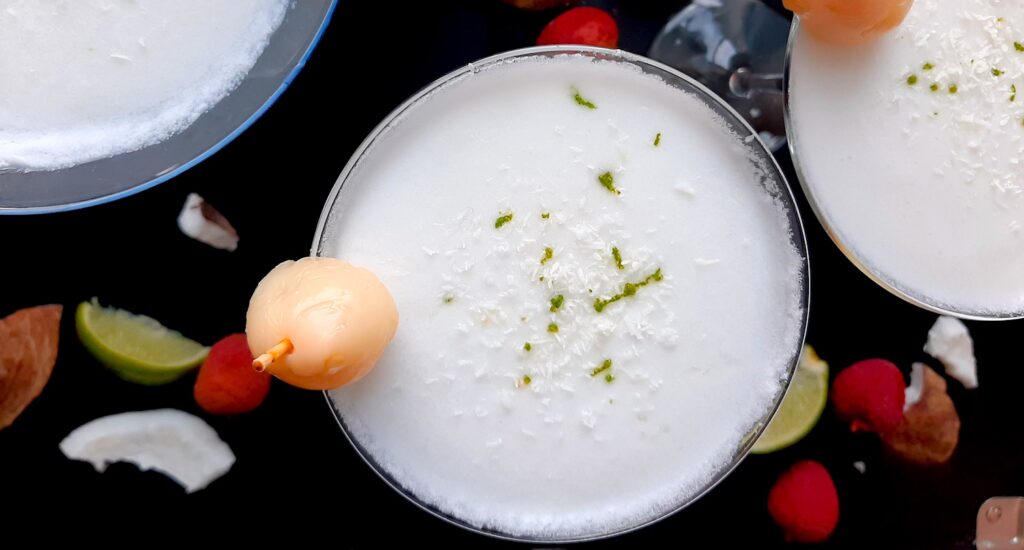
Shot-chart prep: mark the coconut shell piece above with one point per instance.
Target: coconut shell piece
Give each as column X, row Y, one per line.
column 201, row 221
column 930, row 429
column 28, row 351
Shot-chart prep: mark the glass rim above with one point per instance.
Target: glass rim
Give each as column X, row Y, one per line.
column 209, row 152
column 797, row 239
column 856, row 258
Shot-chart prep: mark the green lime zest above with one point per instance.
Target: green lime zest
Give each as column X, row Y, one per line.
column 552, row 328
column 605, row 365
column 934, row 87
column 545, row 215
column 527, row 379
column 997, row 72
column 556, row 303
column 927, row 66
column 911, row 80
column 618, row 257
column 657, row 139
column 1018, row 46
column 581, row 101
column 953, row 88
column 609, row 378
column 629, row 289
column 502, row 220
column 607, row 180
column 527, row 346
column 548, row 254
column 1013, row 92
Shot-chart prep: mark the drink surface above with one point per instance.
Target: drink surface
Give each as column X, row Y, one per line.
column 505, row 213
column 911, row 147
column 90, row 79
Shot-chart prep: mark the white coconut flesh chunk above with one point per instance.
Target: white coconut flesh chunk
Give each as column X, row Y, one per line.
column 201, row 221
column 172, row 442
column 916, row 386
column 951, row 343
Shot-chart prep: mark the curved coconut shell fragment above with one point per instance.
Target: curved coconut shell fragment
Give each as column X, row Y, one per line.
column 28, row 351
column 930, row 429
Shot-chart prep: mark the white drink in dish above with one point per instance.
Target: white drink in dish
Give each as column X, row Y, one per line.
column 89, row 79
column 599, row 300
column 911, row 147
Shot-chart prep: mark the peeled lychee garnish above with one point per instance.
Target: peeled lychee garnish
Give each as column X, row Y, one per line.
column 930, row 429
column 869, row 395
column 804, row 503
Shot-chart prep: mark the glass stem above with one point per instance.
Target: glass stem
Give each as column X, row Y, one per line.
column 745, row 82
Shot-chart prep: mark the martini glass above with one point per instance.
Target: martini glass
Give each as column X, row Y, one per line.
column 737, row 49
column 339, row 205
column 108, row 179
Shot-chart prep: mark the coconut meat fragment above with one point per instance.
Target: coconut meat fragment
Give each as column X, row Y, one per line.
column 951, row 343
column 172, row 442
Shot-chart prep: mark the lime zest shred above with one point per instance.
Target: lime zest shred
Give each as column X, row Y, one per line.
column 582, row 101
column 1013, row 92
column 527, row 346
column 609, row 378
column 927, row 66
column 934, row 87
column 953, row 88
column 605, row 365
column 618, row 257
column 548, row 254
column 629, row 289
column 527, row 379
column 545, row 215
column 607, row 180
column 556, row 303
column 1018, row 46
column 502, row 220
column 997, row 72
column 657, row 139
column 911, row 80
column 552, row 328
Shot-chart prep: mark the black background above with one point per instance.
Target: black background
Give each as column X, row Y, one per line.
column 295, row 474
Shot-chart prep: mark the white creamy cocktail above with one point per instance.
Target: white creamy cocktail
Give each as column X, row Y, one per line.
column 911, row 146
column 601, row 295
column 89, row 79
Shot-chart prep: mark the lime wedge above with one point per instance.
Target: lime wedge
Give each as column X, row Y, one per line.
column 801, row 407
column 137, row 348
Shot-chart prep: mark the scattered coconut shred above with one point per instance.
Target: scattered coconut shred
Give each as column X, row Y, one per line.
column 172, row 442
column 950, row 343
column 202, row 222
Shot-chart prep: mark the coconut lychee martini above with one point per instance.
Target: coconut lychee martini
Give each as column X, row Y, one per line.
column 601, row 282
column 909, row 149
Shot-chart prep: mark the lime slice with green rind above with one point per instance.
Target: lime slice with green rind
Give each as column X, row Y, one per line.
column 801, row 408
column 137, row 348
